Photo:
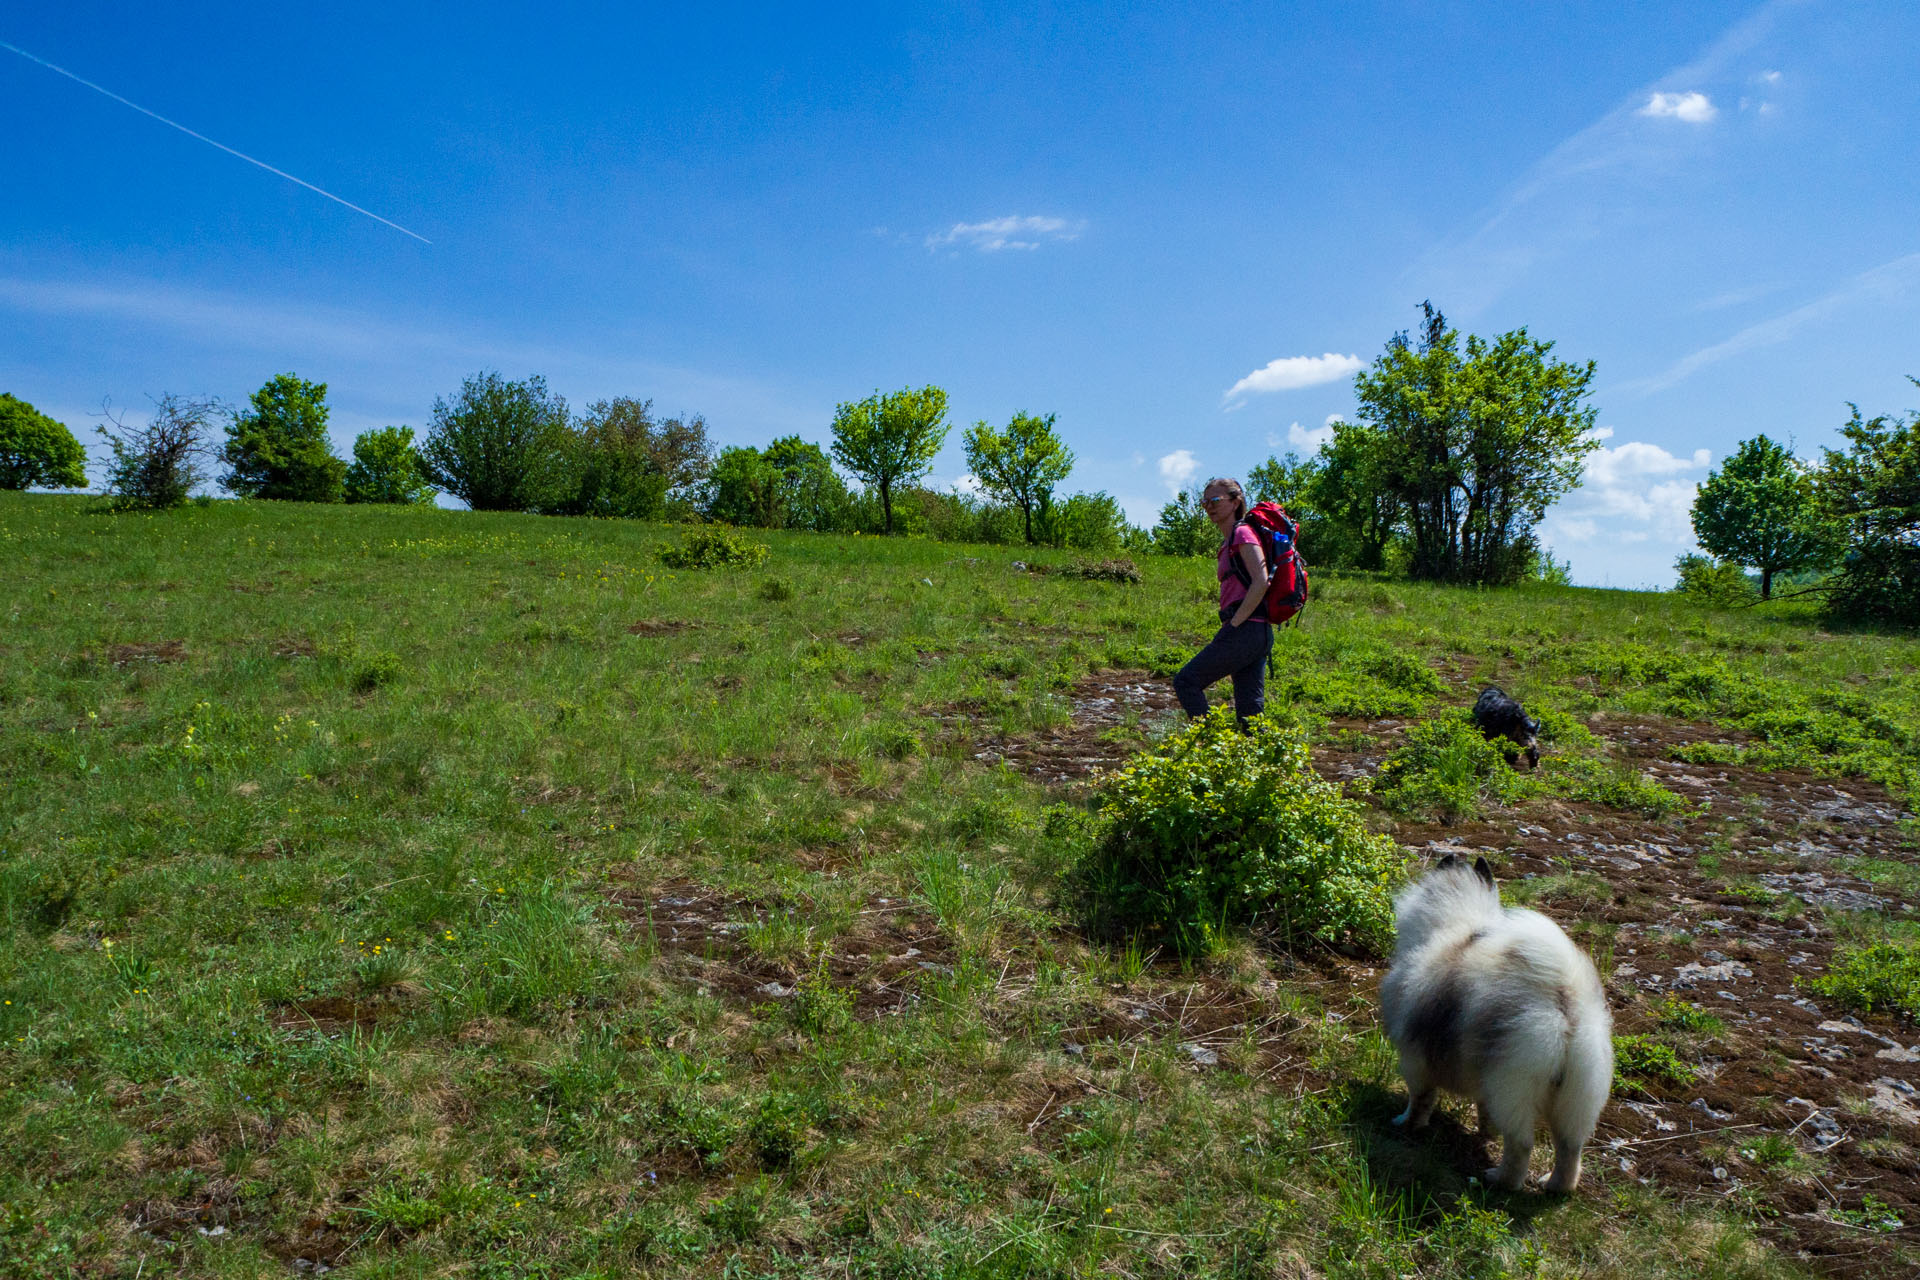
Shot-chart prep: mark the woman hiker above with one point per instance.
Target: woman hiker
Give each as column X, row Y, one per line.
column 1239, row 649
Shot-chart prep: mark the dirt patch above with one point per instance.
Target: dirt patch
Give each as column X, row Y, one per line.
column 331, row 1016
column 1110, row 712
column 659, row 626
column 293, row 647
column 710, row 936
column 148, row 651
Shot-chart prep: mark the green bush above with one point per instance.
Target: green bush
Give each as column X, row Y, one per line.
column 386, row 468
column 34, row 449
column 1447, row 768
column 1885, row 975
column 378, row 670
column 713, row 547
column 278, row 449
column 1215, row 827
column 1637, row 1058
column 1615, row 786
column 1713, row 582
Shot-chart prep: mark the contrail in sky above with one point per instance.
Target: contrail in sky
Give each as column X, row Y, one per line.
column 210, row 142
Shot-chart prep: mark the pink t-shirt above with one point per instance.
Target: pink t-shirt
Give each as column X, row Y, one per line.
column 1232, row 590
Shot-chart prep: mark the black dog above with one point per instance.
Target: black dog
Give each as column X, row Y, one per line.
column 1498, row 716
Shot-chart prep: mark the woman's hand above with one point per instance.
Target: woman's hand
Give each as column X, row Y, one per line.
column 1256, row 565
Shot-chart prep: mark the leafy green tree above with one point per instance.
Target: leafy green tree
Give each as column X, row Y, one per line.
column 1183, row 528
column 890, row 440
column 36, row 450
column 1475, row 443
column 498, row 445
column 1021, row 465
column 278, row 447
column 1871, row 491
column 1087, row 522
column 1758, row 510
column 1285, row 480
column 813, row 496
column 743, row 489
column 619, row 460
column 157, row 464
column 387, row 468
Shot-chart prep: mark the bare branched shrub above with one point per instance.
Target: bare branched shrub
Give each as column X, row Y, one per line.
column 156, row 464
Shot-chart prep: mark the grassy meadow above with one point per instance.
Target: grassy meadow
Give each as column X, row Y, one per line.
column 422, row 893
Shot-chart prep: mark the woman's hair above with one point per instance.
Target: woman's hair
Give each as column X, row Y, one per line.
column 1232, row 486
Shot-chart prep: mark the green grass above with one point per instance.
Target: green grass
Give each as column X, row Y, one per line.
column 1879, row 976
column 1637, row 1058
column 376, row 808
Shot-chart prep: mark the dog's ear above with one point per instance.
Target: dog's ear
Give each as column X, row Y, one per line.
column 1451, row 860
column 1533, row 728
column 1485, row 872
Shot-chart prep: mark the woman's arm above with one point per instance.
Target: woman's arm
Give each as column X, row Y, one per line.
column 1256, row 565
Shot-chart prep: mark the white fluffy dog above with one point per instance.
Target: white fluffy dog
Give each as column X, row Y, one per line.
column 1497, row 1005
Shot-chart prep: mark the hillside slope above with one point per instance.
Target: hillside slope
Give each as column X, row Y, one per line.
column 423, row 892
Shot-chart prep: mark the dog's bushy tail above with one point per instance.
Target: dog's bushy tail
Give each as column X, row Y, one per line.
column 1586, row 1079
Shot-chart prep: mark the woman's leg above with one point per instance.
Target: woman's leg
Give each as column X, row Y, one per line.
column 1250, row 681
column 1225, row 655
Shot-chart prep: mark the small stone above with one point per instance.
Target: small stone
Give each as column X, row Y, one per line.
column 1201, row 1055
column 1894, row 1099
column 775, row 990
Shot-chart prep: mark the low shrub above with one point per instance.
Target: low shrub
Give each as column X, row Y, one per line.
column 775, row 590
column 1613, row 785
column 1215, row 827
column 713, row 547
column 1637, row 1058
column 377, row 671
column 1885, row 975
column 1104, row 570
column 1713, row 582
column 1446, row 768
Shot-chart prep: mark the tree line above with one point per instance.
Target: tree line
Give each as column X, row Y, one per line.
column 503, row 445
column 1845, row 528
column 1459, row 447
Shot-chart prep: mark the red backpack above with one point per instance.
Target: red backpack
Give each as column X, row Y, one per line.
column 1279, row 537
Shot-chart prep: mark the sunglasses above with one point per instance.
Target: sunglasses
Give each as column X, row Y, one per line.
column 1225, row 497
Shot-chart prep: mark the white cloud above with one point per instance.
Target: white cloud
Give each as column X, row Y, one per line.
column 1768, row 77
column 969, row 485
column 1632, row 493
column 1310, row 441
column 1636, row 460
column 1178, row 469
column 1692, row 108
column 1010, row 232
column 1290, row 373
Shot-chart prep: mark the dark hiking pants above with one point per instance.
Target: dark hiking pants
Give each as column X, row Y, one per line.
column 1240, row 652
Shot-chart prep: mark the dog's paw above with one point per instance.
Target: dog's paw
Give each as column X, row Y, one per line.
column 1497, row 1178
column 1400, row 1120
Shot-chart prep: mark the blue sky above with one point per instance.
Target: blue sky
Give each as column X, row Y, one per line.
column 1175, row 228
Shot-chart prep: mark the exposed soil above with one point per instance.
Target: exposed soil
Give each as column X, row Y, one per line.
column 1109, row 708
column 148, row 651
column 1726, row 910
column 659, row 626
column 891, row 947
column 331, row 1016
